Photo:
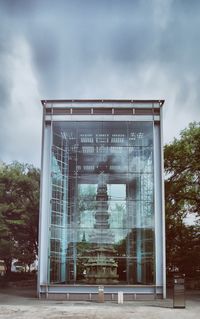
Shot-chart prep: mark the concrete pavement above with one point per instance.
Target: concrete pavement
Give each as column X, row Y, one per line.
column 21, row 304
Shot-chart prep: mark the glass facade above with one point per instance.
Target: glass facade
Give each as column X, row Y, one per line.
column 102, row 203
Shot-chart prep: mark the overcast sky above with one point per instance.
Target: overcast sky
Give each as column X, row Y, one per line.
column 145, row 49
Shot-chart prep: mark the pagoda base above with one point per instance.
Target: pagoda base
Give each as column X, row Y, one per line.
column 101, row 267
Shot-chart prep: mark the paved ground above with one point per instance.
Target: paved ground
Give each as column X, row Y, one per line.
column 21, row 304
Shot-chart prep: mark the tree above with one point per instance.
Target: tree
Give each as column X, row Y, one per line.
column 19, row 207
column 182, row 197
column 182, row 166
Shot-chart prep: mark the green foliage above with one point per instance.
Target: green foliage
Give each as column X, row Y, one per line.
column 182, row 197
column 19, row 206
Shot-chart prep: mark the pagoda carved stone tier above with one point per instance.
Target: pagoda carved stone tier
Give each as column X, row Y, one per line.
column 101, row 267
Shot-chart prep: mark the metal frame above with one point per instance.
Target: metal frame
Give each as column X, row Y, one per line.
column 160, row 283
column 163, row 205
column 118, row 101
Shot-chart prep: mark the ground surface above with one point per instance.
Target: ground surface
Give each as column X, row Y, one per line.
column 21, row 303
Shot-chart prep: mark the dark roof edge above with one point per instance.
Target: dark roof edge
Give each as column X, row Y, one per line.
column 102, row 101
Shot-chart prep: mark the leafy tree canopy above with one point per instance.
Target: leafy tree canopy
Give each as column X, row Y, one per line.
column 182, row 167
column 182, row 197
column 19, row 206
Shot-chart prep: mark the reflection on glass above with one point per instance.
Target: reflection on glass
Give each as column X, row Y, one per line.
column 102, row 221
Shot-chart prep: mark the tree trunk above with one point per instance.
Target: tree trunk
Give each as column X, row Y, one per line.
column 8, row 264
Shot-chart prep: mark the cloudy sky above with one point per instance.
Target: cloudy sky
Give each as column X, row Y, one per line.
column 138, row 49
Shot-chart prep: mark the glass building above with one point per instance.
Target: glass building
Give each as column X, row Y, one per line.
column 101, row 212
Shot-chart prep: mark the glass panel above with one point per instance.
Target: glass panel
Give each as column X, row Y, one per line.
column 102, row 220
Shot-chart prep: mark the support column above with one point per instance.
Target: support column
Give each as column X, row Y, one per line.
column 159, row 226
column 43, row 266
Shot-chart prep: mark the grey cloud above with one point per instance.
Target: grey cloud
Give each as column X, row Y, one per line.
column 98, row 49
column 5, row 83
column 18, row 7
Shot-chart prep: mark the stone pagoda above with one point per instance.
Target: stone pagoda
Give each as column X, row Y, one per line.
column 101, row 267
